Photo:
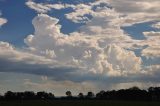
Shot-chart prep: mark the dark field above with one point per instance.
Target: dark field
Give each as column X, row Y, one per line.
column 78, row 103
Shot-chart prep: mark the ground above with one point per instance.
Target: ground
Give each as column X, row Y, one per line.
column 78, row 103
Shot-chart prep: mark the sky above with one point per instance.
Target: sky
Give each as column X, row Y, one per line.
column 79, row 45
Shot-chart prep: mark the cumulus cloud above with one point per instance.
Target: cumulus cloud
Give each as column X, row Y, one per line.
column 81, row 51
column 23, row 61
column 31, row 63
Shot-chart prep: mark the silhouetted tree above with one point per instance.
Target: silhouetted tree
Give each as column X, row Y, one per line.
column 90, row 95
column 154, row 93
column 100, row 95
column 133, row 93
column 51, row 96
column 29, row 95
column 9, row 95
column 134, row 88
column 44, row 95
column 80, row 95
column 1, row 97
column 20, row 95
column 69, row 94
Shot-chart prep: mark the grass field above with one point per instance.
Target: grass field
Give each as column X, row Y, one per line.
column 78, row 103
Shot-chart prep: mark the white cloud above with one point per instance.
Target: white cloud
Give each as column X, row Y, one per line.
column 25, row 61
column 135, row 6
column 2, row 20
column 5, row 45
column 40, row 8
column 153, row 49
column 152, row 38
column 44, row 8
column 79, row 11
column 9, row 52
column 151, row 34
column 81, row 51
column 138, row 10
column 157, row 25
column 145, row 10
column 60, row 6
column 154, row 68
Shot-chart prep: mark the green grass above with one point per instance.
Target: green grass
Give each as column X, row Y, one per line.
column 78, row 103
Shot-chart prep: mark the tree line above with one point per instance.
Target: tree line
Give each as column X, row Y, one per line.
column 134, row 93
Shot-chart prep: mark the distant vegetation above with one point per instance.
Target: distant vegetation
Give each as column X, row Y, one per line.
column 134, row 93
